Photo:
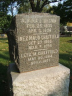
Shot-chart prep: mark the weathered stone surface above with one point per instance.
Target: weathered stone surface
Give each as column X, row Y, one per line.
column 37, row 41
column 52, row 81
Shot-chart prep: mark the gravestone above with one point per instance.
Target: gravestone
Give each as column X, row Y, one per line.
column 37, row 36
column 36, row 48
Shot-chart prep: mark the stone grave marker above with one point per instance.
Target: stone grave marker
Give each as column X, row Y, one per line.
column 36, row 46
column 37, row 37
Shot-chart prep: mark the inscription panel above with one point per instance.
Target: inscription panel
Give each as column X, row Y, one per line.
column 38, row 41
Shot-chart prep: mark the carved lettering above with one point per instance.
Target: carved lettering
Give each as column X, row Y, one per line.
column 40, row 61
column 33, row 47
column 31, row 58
column 47, row 45
column 31, row 42
column 39, row 39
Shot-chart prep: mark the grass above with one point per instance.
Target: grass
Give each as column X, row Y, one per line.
column 65, row 55
column 65, row 59
column 4, row 62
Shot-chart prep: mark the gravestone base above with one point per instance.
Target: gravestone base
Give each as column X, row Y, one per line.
column 52, row 81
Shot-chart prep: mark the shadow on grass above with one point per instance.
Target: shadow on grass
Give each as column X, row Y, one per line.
column 3, row 38
column 5, row 56
column 3, row 80
column 66, row 60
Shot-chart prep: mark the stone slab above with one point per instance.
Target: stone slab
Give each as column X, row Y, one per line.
column 52, row 81
column 37, row 37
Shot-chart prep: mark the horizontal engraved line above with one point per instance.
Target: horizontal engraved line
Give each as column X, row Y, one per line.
column 40, row 49
column 38, row 33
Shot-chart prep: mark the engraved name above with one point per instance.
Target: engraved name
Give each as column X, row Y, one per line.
column 37, row 37
column 38, row 20
column 38, row 53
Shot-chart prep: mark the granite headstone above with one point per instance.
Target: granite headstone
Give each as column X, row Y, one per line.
column 37, row 37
